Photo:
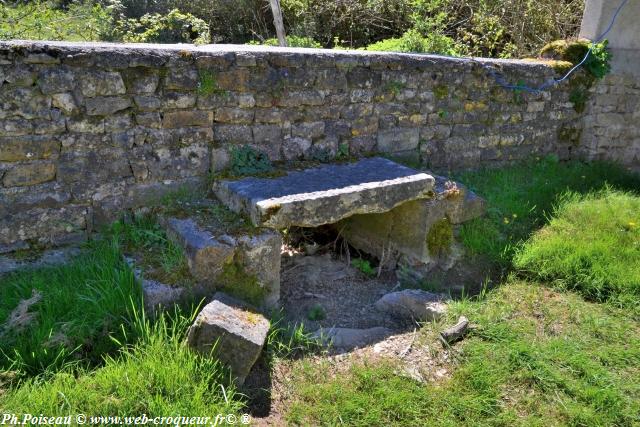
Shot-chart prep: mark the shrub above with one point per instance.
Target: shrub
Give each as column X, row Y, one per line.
column 174, row 27
column 591, row 244
column 292, row 41
column 413, row 42
column 45, row 20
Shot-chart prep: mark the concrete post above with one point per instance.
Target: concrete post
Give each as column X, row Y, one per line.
column 624, row 37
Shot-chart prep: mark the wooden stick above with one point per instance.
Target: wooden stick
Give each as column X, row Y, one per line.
column 456, row 332
column 278, row 22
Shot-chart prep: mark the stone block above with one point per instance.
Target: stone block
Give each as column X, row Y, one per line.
column 234, row 115
column 101, row 83
column 178, row 119
column 260, row 255
column 326, row 194
column 237, row 332
column 206, row 255
column 398, row 139
column 346, row 339
column 232, row 134
column 27, row 148
column 181, row 78
column 405, row 230
column 29, row 174
column 106, row 105
column 56, row 80
column 15, row 127
column 178, row 100
column 412, row 304
column 65, row 102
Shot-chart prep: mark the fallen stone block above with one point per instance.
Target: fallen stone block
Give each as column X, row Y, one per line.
column 347, row 338
column 412, row 304
column 230, row 331
column 326, row 194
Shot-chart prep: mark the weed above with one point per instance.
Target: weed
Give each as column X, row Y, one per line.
column 343, row 151
column 236, row 282
column 208, row 85
column 394, row 87
column 316, row 313
column 364, row 266
column 441, row 92
column 246, row 160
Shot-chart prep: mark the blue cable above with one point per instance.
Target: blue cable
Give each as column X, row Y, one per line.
column 502, row 82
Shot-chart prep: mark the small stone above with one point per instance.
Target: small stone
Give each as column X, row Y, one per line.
column 56, row 80
column 29, row 148
column 412, row 304
column 296, row 148
column 237, row 331
column 179, row 100
column 399, row 139
column 182, row 79
column 234, row 115
column 157, row 295
column 65, row 102
column 346, row 339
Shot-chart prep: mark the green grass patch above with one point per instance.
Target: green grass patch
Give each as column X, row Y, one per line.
column 520, row 198
column 159, row 258
column 536, row 358
column 80, row 307
column 591, row 244
column 157, row 376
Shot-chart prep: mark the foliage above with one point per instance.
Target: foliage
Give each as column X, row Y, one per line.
column 246, row 160
column 316, row 313
column 173, row 27
column 413, row 42
column 83, row 304
column 364, row 266
column 536, row 358
column 520, row 197
column 292, row 41
column 45, row 20
column 597, row 63
column 591, row 245
column 157, row 376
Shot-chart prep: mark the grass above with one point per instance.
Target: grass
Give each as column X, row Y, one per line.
column 521, row 197
column 537, row 357
column 82, row 304
column 158, row 257
column 591, row 244
column 156, row 376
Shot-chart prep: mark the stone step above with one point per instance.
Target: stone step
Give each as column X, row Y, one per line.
column 325, row 194
column 244, row 263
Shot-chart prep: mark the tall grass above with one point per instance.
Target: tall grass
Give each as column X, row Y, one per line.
column 521, row 197
column 591, row 244
column 82, row 305
column 157, row 376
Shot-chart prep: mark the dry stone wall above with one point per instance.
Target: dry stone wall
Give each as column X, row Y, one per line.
column 87, row 130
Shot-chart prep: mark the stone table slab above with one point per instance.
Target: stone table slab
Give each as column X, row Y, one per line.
column 325, row 194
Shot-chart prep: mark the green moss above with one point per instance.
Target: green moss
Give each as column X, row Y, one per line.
column 208, row 85
column 236, row 282
column 394, row 87
column 570, row 135
column 441, row 92
column 440, row 237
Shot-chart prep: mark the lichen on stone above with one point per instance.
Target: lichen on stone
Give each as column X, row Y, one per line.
column 440, row 237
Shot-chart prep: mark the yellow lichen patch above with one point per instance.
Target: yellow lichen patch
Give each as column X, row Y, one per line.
column 440, row 237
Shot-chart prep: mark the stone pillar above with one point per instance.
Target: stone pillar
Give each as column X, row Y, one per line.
column 624, row 37
column 611, row 124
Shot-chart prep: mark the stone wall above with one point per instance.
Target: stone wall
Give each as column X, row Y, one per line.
column 87, row 130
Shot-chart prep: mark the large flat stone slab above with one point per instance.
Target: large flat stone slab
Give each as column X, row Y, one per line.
column 326, row 194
